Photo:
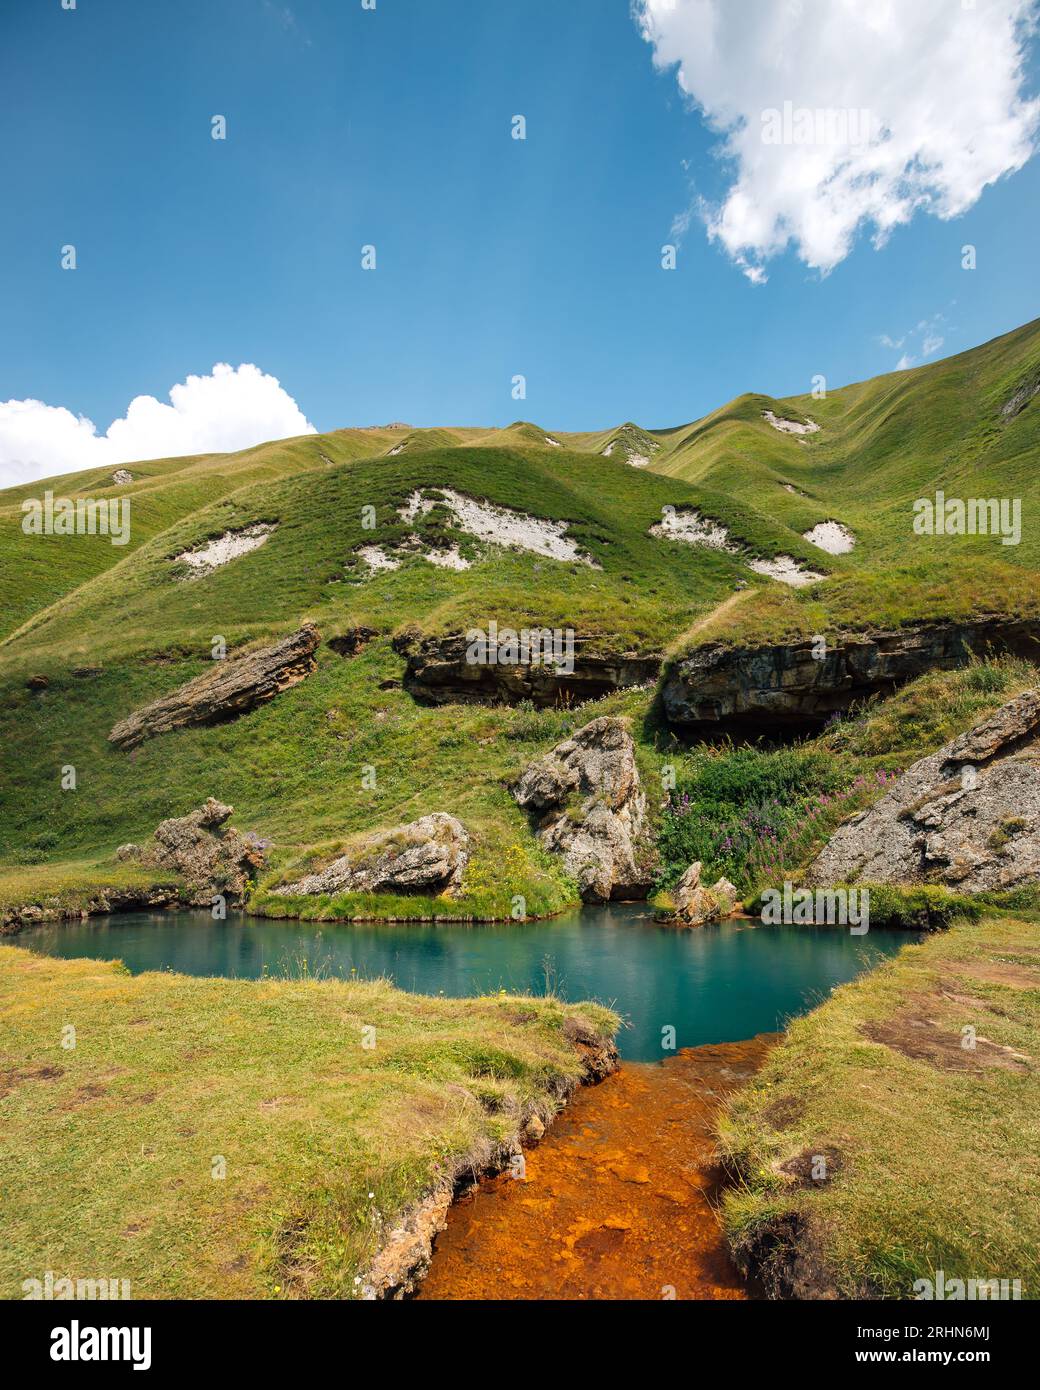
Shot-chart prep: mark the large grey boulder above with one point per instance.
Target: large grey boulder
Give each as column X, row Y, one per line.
column 233, row 686
column 427, row 856
column 589, row 806
column 967, row 817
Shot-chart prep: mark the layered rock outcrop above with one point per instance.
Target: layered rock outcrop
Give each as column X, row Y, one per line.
column 205, row 852
column 795, row 687
column 967, row 817
column 427, row 856
column 99, row 904
column 589, row 806
column 443, row 671
column 233, row 687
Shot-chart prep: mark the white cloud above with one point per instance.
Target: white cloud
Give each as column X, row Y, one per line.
column 927, row 337
column 939, row 86
column 230, row 409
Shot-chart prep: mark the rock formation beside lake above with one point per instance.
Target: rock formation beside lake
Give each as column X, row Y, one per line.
column 588, row 804
column 694, row 905
column 795, row 686
column 233, row 687
column 427, row 856
column 967, row 817
column 205, row 852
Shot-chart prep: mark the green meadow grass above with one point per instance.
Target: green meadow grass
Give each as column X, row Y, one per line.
column 931, row 1166
column 322, row 1141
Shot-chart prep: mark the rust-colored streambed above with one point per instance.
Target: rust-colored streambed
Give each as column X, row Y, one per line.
column 618, row 1200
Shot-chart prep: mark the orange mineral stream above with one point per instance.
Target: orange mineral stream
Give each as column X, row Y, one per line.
column 618, row 1201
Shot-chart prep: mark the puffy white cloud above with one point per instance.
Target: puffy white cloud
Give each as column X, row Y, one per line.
column 841, row 114
column 230, row 409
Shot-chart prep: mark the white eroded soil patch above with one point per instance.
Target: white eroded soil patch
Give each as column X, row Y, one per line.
column 377, row 559
column 787, row 570
column 693, row 529
column 451, row 559
column 499, row 525
column 790, row 426
column 209, row 557
column 831, row 536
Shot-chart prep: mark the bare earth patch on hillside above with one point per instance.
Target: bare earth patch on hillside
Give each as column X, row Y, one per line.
column 790, row 426
column 691, row 528
column 222, row 550
column 832, row 537
column 499, row 525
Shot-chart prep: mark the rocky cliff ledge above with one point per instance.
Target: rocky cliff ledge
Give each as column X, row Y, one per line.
column 588, row 804
column 785, row 689
column 439, row 673
column 967, row 817
column 232, row 688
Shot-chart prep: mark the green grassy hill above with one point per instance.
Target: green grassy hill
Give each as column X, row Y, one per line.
column 90, row 631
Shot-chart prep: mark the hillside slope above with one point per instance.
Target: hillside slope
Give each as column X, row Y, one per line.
column 641, row 545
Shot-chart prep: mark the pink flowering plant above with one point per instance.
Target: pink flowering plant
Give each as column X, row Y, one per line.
column 756, row 817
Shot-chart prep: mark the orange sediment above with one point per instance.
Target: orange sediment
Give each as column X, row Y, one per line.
column 617, row 1202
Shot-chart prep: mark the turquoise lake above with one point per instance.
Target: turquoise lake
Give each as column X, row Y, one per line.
column 717, row 984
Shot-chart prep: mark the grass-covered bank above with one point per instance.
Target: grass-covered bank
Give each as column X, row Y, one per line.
column 878, row 1146
column 236, row 1139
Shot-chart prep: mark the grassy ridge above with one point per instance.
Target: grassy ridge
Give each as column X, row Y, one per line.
column 164, row 491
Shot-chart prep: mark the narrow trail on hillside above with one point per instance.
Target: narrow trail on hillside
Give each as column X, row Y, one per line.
column 718, row 612
column 618, row 1200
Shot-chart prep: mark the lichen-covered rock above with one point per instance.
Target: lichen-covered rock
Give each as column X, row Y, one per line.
column 967, row 817
column 427, row 856
column 209, row 856
column 588, row 804
column 695, row 905
column 233, row 687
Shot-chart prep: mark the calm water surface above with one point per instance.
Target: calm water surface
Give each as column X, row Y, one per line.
column 717, row 984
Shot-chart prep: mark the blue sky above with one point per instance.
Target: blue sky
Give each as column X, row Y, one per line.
column 495, row 256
